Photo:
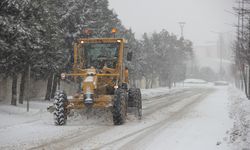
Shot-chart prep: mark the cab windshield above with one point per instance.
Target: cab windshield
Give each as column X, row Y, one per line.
column 99, row 55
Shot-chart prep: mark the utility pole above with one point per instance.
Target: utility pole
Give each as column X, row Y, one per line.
column 182, row 24
column 220, row 34
column 238, row 63
column 221, row 41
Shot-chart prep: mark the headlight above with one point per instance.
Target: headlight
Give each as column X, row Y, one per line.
column 63, row 76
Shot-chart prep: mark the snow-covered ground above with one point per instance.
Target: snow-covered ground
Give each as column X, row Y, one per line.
column 202, row 127
column 197, row 117
column 240, row 113
column 22, row 129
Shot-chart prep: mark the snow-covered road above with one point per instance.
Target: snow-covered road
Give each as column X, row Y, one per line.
column 185, row 118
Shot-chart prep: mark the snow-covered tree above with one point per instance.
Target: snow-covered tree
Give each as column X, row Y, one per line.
column 165, row 58
column 13, row 35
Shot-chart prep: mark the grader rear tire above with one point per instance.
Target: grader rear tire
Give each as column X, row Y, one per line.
column 119, row 107
column 60, row 103
column 135, row 101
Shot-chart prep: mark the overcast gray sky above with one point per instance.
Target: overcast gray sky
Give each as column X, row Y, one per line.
column 201, row 17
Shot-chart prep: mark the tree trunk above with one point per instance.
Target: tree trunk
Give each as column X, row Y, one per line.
column 54, row 86
column 159, row 80
column 248, row 96
column 162, row 82
column 58, row 83
column 245, row 80
column 147, row 83
column 22, row 86
column 241, row 80
column 133, row 84
column 152, row 82
column 49, row 86
column 14, row 90
column 169, row 83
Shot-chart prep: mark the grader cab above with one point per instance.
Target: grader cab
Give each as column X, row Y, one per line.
column 103, row 80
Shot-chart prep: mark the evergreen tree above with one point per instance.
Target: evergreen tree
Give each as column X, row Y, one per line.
column 165, row 58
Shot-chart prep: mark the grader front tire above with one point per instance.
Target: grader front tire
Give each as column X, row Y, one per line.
column 135, row 101
column 60, row 103
column 119, row 107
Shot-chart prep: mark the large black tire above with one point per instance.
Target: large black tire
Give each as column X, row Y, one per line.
column 134, row 100
column 60, row 103
column 119, row 107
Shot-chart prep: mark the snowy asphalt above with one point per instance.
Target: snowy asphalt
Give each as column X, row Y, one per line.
column 172, row 120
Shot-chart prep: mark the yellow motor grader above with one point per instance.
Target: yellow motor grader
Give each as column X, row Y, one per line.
column 103, row 77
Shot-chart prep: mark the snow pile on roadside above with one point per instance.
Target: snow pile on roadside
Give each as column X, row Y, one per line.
column 14, row 115
column 161, row 91
column 196, row 81
column 240, row 112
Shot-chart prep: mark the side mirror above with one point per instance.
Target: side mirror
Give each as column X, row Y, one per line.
column 129, row 56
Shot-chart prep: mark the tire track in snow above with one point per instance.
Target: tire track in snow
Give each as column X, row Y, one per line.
column 169, row 100
column 145, row 132
column 132, row 144
column 142, row 131
column 69, row 140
